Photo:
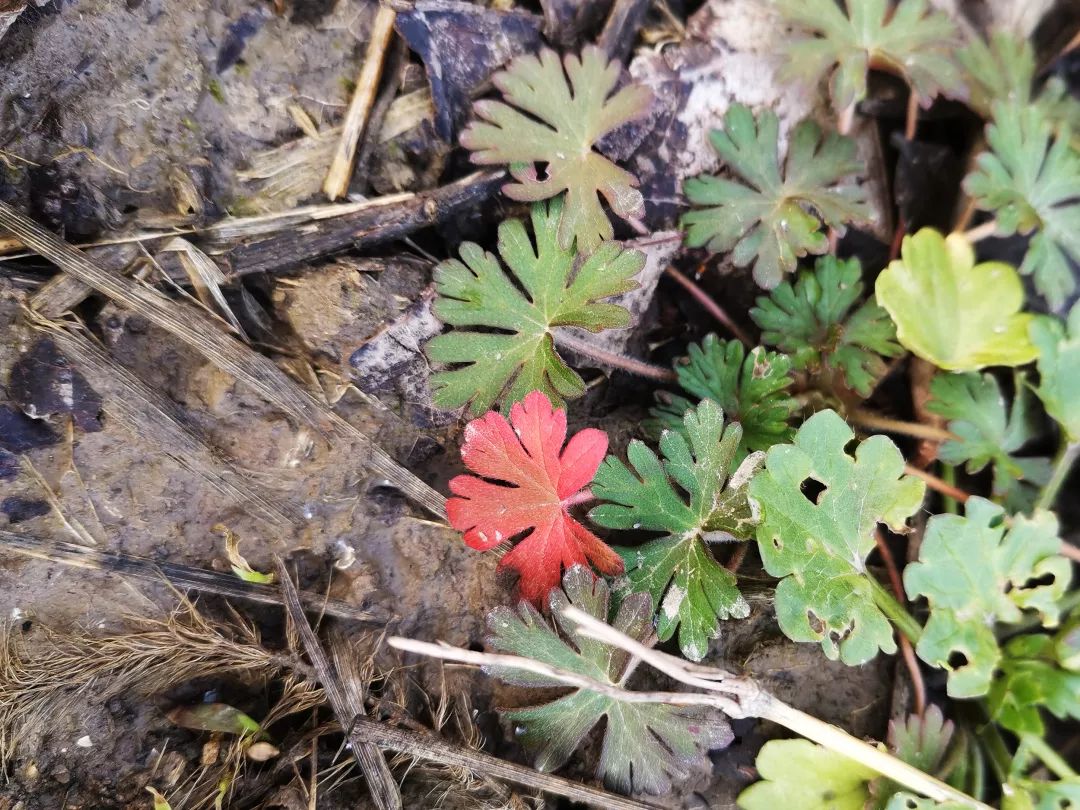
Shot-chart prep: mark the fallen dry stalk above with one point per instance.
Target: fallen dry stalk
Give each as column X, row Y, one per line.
column 367, row 84
column 735, row 696
column 200, row 331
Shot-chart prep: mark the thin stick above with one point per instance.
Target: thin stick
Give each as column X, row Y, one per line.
column 710, row 306
column 916, row 430
column 613, row 359
column 937, row 484
column 347, row 704
column 917, row 684
column 182, row 577
column 980, row 232
column 367, row 85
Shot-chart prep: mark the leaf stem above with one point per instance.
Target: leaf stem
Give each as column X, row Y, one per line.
column 894, row 611
column 980, row 232
column 917, row 430
column 614, row 359
column 1047, row 755
column 1063, row 462
column 710, row 306
column 936, row 484
column 918, row 686
column 948, row 475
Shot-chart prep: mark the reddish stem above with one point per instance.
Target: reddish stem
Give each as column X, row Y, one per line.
column 936, row 484
column 917, row 684
column 737, row 557
column 710, row 305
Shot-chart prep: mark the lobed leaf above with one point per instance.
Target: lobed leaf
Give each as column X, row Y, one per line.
column 800, row 775
column 818, row 547
column 988, row 433
column 958, row 315
column 815, row 320
column 515, row 352
column 751, row 390
column 532, row 483
column 975, row 573
column 1058, row 345
column 554, row 114
column 775, row 215
column 1029, row 179
column 913, row 42
column 1031, row 679
column 645, row 746
column 692, row 591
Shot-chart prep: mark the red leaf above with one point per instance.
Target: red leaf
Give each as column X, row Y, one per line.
column 532, row 486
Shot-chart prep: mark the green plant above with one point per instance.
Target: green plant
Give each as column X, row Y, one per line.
column 751, row 388
column 691, row 590
column 958, row 315
column 504, row 365
column 819, row 322
column 776, row 214
column 558, row 119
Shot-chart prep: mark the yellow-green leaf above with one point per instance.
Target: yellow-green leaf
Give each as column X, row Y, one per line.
column 959, row 315
column 799, row 775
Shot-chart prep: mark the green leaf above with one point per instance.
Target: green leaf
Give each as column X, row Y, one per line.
column 1058, row 345
column 909, row 801
column 751, row 389
column 692, row 591
column 921, row 741
column 912, row 42
column 520, row 356
column 988, row 433
column 799, row 775
column 1002, row 69
column 975, row 574
column 214, row 717
column 1031, row 679
column 775, row 215
column 1032, row 794
column 1029, row 179
column 959, row 315
column 557, row 123
column 645, row 745
column 819, row 547
column 815, row 321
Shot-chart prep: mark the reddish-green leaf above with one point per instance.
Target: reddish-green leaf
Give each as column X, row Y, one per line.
column 532, row 483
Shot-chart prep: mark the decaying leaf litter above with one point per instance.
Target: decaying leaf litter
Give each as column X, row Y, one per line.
column 224, row 347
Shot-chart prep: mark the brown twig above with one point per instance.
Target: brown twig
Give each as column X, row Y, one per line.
column 917, row 430
column 911, row 121
column 936, row 484
column 367, row 85
column 347, row 701
column 710, row 306
column 182, row 577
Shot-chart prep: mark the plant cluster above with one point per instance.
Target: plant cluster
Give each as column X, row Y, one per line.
column 758, row 448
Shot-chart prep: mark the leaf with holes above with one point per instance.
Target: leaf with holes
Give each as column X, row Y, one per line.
column 515, row 352
column 799, row 775
column 959, row 315
column 547, row 119
column 819, row 322
column 975, row 574
column 751, row 389
column 818, row 546
column 692, row 590
column 1029, row 180
column 776, row 214
column 1059, row 369
column 1030, row 679
column 532, row 481
column 911, row 41
column 645, row 745
column 989, row 433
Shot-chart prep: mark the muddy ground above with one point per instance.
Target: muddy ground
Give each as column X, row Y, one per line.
column 121, row 116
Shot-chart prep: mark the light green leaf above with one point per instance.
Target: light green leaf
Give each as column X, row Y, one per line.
column 989, row 434
column 692, row 591
column 909, row 801
column 819, row 547
column 775, row 215
column 214, row 717
column 959, row 315
column 1029, row 179
column 911, row 41
column 520, row 357
column 799, row 775
column 1058, row 345
column 1030, row 679
column 645, row 745
column 751, row 389
column 975, row 574
column 816, row 321
column 555, row 122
